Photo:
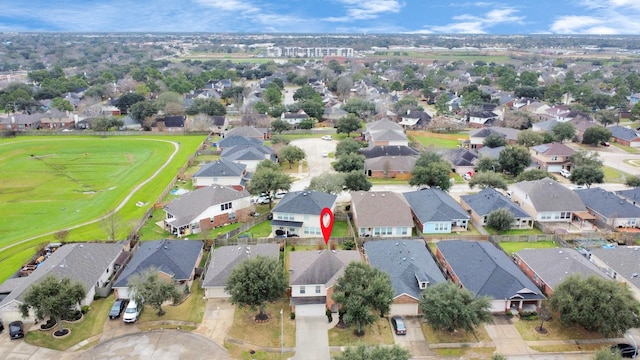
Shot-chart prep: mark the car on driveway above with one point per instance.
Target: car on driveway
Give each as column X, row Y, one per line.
column 132, row 312
column 117, row 308
column 327, row 137
column 398, row 325
column 325, row 154
column 626, row 350
column 280, row 194
column 566, row 173
column 16, row 330
column 263, row 199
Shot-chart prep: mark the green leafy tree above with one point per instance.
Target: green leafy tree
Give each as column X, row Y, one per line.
column 632, row 181
column 359, row 107
column 596, row 135
column 313, row 108
column 149, row 288
column 486, row 163
column 126, row 101
column 428, row 157
column 211, row 107
column 356, row 181
column 606, row 354
column 587, row 175
column 563, row 131
column 494, row 141
column 61, row 104
column 307, row 92
column 327, row 182
column 376, row 352
column 607, row 117
column 256, row 282
column 362, row 291
column 143, row 110
column 106, row 124
column 586, row 158
column 435, row 174
column 261, row 107
column 269, row 178
column 291, row 154
column 349, row 162
column 514, row 159
column 596, row 304
column 534, row 174
column 278, row 126
column 500, row 219
column 441, row 105
column 306, row 124
column 54, row 298
column 348, row 146
column 635, row 112
column 485, row 179
column 528, row 138
column 448, row 307
column 347, row 124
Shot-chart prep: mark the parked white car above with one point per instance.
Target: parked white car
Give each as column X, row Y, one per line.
column 132, row 312
column 327, row 137
column 566, row 173
column 280, row 194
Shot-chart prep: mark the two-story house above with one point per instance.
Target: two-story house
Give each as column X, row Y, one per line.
column 221, row 172
column 372, row 215
column 298, row 212
column 552, row 157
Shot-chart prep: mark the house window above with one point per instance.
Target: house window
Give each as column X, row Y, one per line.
column 232, row 215
column 440, row 226
column 545, row 216
column 302, row 290
column 554, row 158
column 317, row 289
column 225, row 206
column 285, row 217
column 403, row 231
column 310, row 230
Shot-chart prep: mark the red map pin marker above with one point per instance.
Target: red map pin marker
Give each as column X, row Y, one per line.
column 326, row 224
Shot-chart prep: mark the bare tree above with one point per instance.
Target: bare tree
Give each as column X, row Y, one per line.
column 112, row 224
column 201, row 122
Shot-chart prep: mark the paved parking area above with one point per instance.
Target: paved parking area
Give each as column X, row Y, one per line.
column 312, row 338
column 414, row 341
column 19, row 349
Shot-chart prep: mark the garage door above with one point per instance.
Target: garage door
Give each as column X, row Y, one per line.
column 404, row 309
column 498, row 306
column 311, row 310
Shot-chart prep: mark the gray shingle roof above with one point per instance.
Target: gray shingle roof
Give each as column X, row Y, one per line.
column 82, row 262
column 489, row 200
column 631, row 195
column 391, row 163
column 623, row 133
column 554, row 149
column 554, row 265
column 248, row 131
column 549, row 195
column 372, row 209
column 319, row 267
column 176, row 258
column 485, row 270
column 231, row 141
column 388, row 150
column 221, row 168
column 460, row 157
column 405, row 261
column 305, row 202
column 187, row 207
column 434, row 205
column 493, row 153
column 622, row 259
column 608, row 204
column 384, row 124
column 226, row 258
column 388, row 135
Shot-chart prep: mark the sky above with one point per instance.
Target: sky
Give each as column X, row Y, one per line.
column 603, row 17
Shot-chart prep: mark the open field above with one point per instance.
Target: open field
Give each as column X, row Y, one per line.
column 56, row 183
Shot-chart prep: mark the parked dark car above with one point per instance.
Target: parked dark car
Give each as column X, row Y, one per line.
column 16, row 330
column 398, row 325
column 117, row 308
column 1, row 327
column 626, row 350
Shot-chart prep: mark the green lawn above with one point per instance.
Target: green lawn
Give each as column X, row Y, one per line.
column 191, row 310
column 613, row 175
column 437, row 143
column 54, row 183
column 534, row 231
column 513, row 247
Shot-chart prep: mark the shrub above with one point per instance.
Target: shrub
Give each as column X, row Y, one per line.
column 85, row 309
column 329, row 315
column 292, row 315
column 349, row 244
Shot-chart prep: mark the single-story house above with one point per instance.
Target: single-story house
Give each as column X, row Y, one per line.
column 225, row 259
column 621, row 264
column 175, row 260
column 547, row 268
column 91, row 264
column 390, row 166
column 206, row 208
column 436, row 212
column 411, row 268
column 610, row 210
column 371, row 215
column 546, row 200
column 488, row 200
column 312, row 275
column 624, row 135
column 485, row 270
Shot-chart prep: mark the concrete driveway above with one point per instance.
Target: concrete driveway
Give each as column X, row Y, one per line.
column 217, row 320
column 414, row 340
column 318, row 165
column 157, row 345
column 18, row 349
column 312, row 338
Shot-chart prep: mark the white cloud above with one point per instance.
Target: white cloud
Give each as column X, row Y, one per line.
column 364, row 10
column 607, row 17
column 229, row 5
column 478, row 24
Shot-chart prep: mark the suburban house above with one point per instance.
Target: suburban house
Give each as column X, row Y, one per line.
column 298, row 212
column 415, row 120
column 552, row 157
column 294, row 119
column 488, row 200
column 56, row 119
column 547, row 268
column 624, row 135
column 436, row 212
column 174, row 123
column 221, row 172
column 206, row 208
column 371, row 152
column 398, row 167
column 621, row 264
column 247, row 131
column 486, row 270
column 482, row 118
column 547, row 200
column 21, row 122
column 225, row 259
column 249, row 155
column 610, row 210
column 312, row 275
column 630, row 195
column 411, row 268
column 476, row 137
column 462, row 161
column 372, row 215
column 175, row 260
column 92, row 264
column 231, row 141
column 385, row 132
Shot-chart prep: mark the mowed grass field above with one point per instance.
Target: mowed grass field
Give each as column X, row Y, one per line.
column 55, row 183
